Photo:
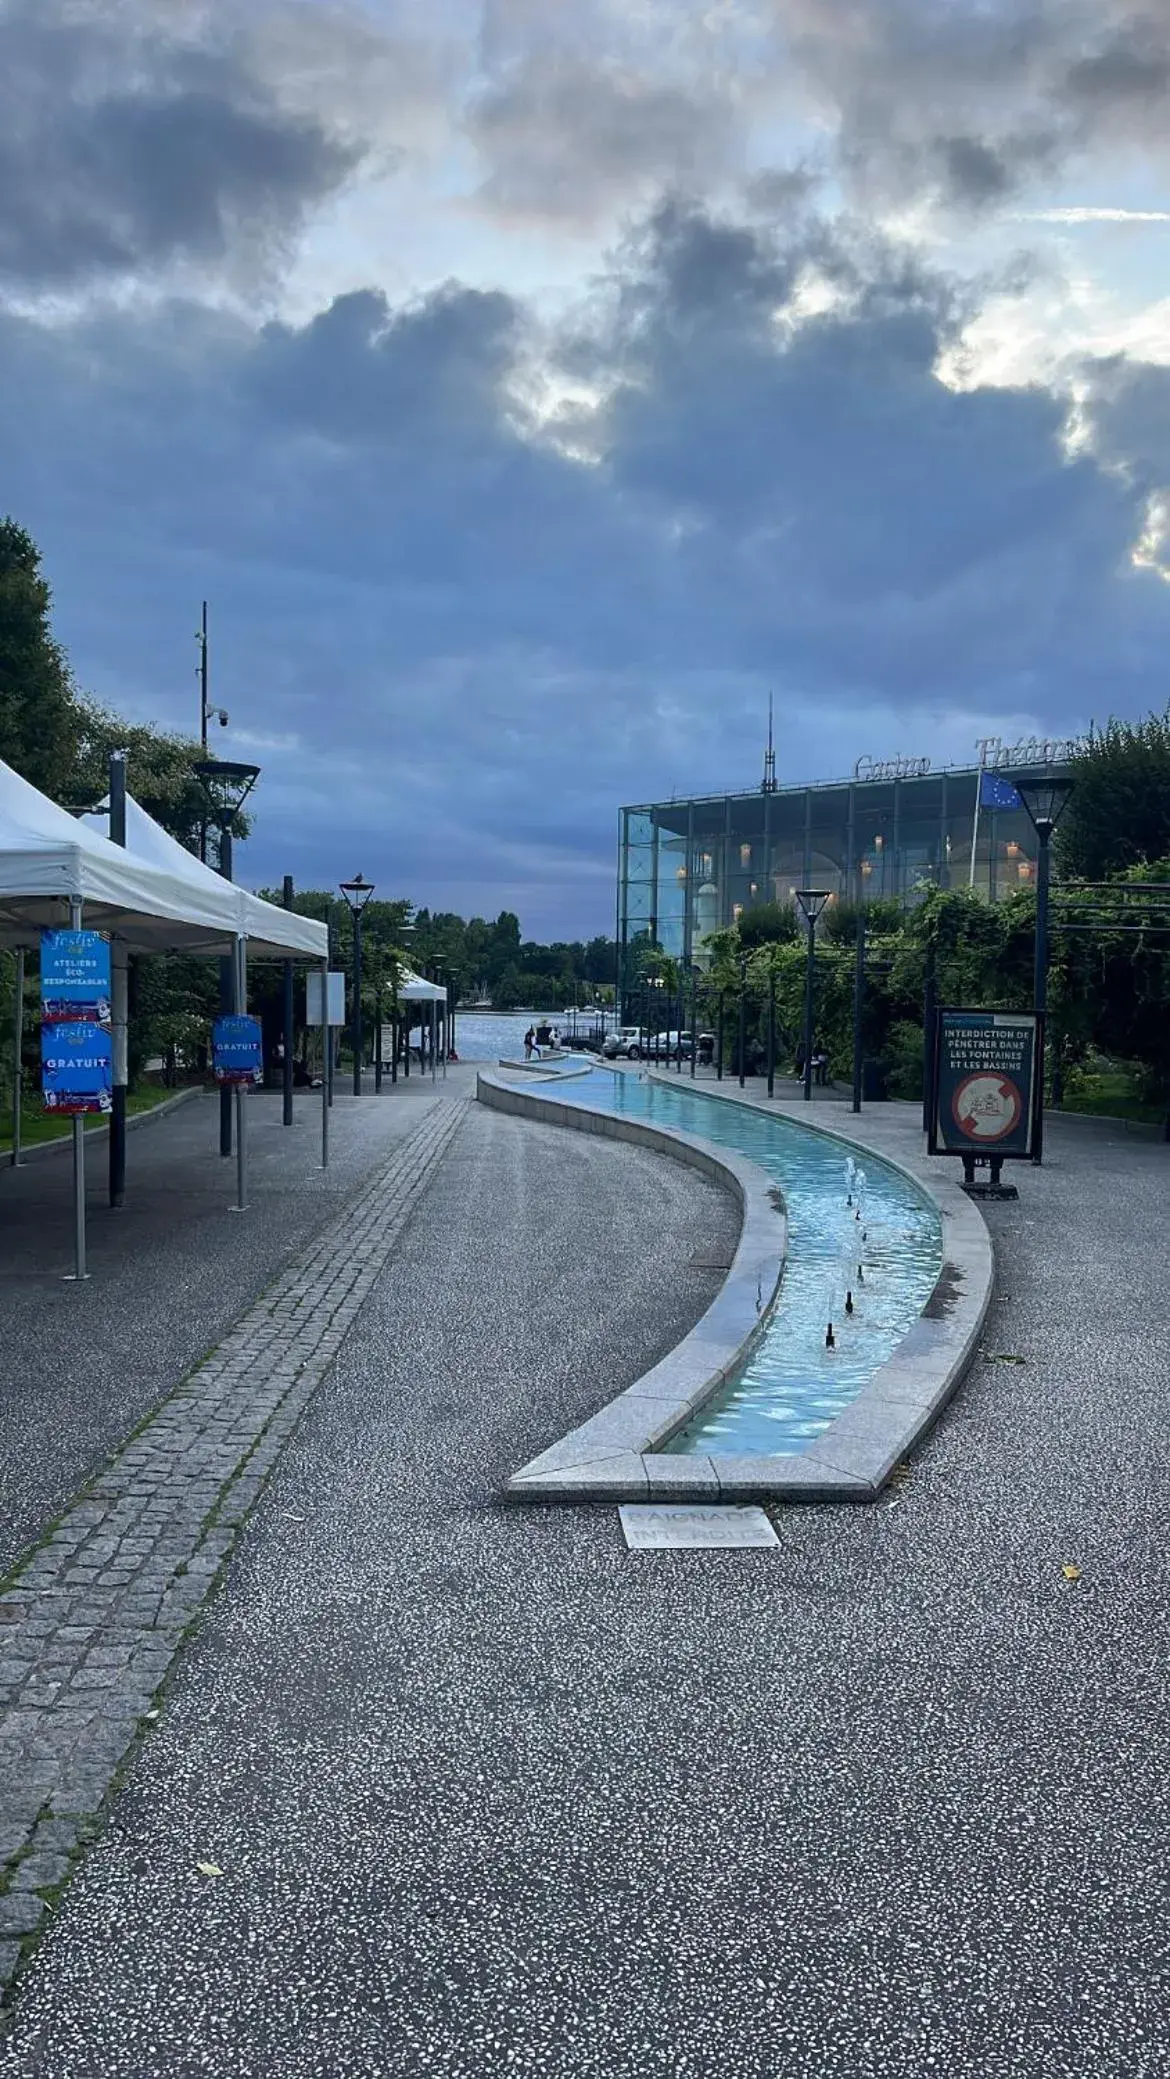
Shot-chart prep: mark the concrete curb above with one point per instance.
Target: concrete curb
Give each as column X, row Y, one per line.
column 97, row 1136
column 619, row 1456
column 619, row 1442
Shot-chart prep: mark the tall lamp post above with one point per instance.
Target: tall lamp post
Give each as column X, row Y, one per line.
column 227, row 786
column 742, row 1018
column 357, row 894
column 1045, row 799
column 812, row 901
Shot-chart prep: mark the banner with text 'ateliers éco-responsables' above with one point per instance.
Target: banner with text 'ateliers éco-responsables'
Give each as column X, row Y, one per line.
column 77, row 1065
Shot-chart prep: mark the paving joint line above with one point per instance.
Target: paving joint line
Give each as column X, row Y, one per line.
column 93, row 1616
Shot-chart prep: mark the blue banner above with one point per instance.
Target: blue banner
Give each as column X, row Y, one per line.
column 75, row 977
column 236, row 1048
column 77, row 1067
column 995, row 793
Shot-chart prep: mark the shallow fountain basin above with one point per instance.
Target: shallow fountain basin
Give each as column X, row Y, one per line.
column 752, row 1400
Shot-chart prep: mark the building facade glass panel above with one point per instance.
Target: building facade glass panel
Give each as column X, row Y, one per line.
column 687, row 868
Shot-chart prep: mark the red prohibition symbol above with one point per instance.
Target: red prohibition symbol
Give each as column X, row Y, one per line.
column 987, row 1107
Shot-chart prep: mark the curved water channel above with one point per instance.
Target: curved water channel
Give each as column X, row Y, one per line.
column 884, row 1249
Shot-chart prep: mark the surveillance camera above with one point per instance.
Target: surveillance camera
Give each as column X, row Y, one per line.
column 223, row 718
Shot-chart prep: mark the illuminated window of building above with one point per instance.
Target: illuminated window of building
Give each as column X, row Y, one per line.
column 878, row 842
column 745, row 855
column 755, row 888
column 948, row 846
column 680, row 873
column 737, row 910
column 867, row 867
column 1024, row 869
column 1013, row 850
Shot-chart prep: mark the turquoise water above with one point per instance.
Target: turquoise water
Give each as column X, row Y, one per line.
column 792, row 1387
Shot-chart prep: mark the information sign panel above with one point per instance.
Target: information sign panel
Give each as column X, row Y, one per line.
column 984, row 1084
column 237, row 1049
column 77, row 1068
column 336, row 998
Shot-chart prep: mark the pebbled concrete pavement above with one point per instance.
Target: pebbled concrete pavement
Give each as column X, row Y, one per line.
column 80, row 1365
column 491, row 1795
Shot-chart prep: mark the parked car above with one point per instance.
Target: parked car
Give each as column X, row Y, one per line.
column 623, row 1045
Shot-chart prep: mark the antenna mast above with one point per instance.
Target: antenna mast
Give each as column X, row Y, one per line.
column 769, row 786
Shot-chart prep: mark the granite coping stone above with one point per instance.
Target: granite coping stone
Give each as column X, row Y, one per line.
column 617, row 1454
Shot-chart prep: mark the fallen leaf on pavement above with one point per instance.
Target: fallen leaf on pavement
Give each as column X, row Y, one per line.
column 1071, row 1573
column 209, row 1869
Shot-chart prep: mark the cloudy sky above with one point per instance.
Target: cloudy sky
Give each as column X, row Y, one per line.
column 532, row 386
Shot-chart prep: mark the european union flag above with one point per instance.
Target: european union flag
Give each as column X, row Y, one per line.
column 995, row 793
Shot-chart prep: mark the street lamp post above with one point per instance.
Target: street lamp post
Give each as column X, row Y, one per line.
column 357, row 894
column 1045, row 798
column 812, row 901
column 858, row 1003
column 742, row 1017
column 694, row 1019
column 227, row 785
column 771, row 1027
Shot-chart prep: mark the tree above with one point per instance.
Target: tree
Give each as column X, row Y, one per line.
column 38, row 711
column 1118, row 815
column 160, row 772
column 769, row 923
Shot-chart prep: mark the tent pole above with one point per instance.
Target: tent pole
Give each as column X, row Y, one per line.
column 286, row 1080
column 227, row 996
column 434, row 1033
column 325, row 1066
column 240, row 993
column 119, row 988
column 446, row 1039
column 79, row 1273
column 17, row 1046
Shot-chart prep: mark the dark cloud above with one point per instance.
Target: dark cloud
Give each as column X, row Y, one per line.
column 456, row 645
column 969, row 103
column 1131, row 68
column 124, row 148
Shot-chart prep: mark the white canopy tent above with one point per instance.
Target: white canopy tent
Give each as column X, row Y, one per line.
column 152, row 895
column 149, row 896
column 414, row 988
column 269, row 930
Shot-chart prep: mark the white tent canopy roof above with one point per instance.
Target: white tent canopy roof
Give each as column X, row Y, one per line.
column 267, row 928
column 413, row 989
column 153, row 895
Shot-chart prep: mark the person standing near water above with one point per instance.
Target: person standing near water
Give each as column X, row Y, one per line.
column 529, row 1039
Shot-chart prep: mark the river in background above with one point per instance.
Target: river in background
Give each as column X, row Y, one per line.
column 489, row 1035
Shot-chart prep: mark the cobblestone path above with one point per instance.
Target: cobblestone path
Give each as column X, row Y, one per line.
column 92, row 1617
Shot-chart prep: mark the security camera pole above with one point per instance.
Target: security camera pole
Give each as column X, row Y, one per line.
column 205, row 714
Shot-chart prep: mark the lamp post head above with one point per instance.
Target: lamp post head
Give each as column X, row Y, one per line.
column 1045, row 797
column 227, row 784
column 357, row 893
column 812, row 901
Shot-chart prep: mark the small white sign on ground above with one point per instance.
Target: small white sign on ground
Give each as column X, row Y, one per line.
column 662, row 1526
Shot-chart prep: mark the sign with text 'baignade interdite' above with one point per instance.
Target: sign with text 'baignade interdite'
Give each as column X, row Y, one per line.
column 984, row 1084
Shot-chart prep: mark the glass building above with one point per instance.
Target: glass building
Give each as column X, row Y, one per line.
column 687, row 868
